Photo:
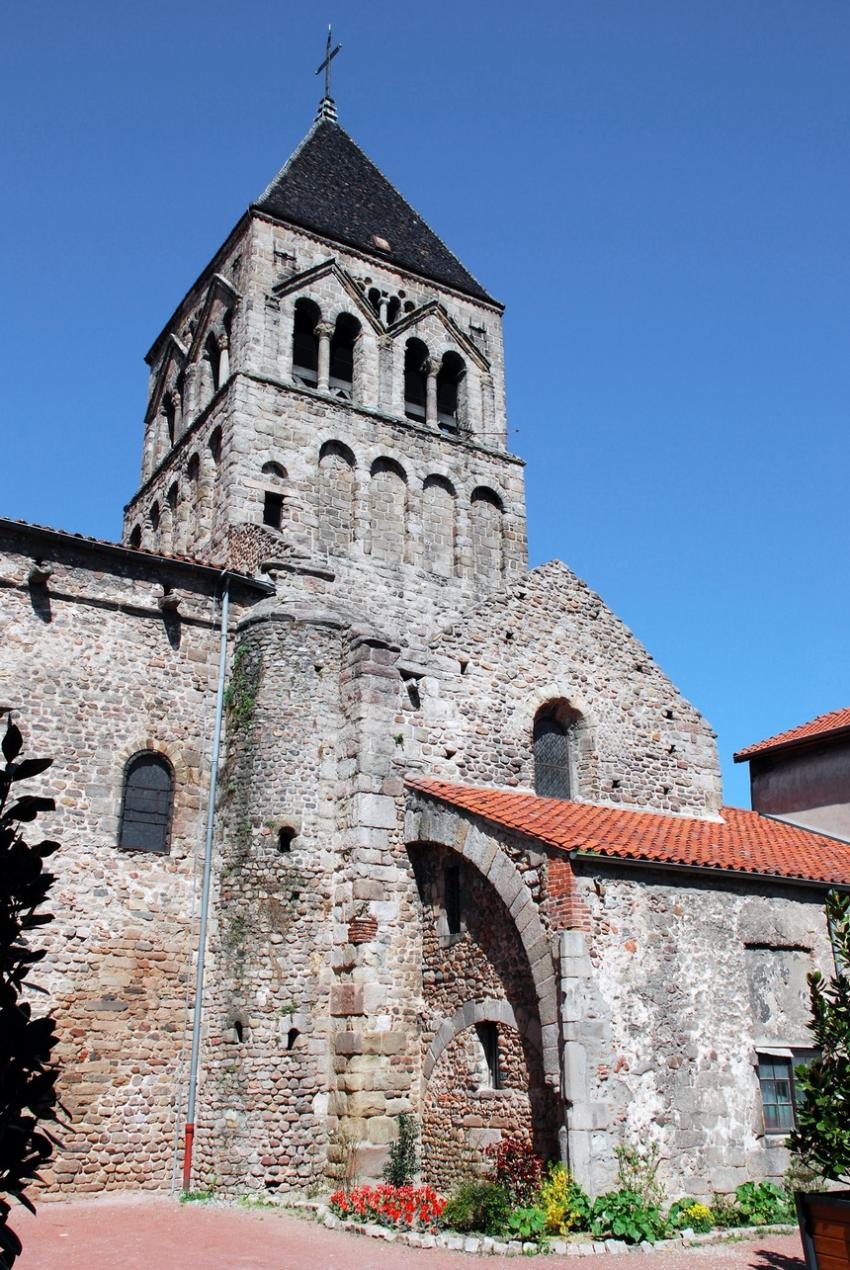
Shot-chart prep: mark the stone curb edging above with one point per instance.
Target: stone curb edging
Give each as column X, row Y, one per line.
column 487, row 1245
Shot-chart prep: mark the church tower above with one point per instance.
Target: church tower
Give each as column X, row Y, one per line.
column 328, row 401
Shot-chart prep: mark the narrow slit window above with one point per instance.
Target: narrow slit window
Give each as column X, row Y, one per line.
column 452, row 900
column 488, row 1035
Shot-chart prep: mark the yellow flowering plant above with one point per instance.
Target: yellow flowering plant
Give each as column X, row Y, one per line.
column 564, row 1203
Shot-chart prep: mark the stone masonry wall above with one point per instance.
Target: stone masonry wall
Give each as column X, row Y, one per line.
column 666, row 1001
column 264, row 1098
column 97, row 672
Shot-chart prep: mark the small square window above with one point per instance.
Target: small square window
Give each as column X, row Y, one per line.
column 272, row 510
column 780, row 1094
column 776, row 1078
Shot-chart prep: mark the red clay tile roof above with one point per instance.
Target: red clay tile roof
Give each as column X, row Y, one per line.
column 823, row 725
column 743, row 841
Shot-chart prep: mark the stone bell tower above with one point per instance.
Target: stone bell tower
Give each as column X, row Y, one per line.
column 329, row 396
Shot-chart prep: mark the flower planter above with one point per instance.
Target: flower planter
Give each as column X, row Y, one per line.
column 824, row 1218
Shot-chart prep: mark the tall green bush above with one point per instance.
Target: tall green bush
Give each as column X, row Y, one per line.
column 27, row 1074
column 403, row 1162
column 822, row 1136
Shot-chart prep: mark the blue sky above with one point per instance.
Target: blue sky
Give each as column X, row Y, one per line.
column 657, row 189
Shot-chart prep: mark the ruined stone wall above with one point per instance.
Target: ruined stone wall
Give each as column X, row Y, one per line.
column 666, row 1001
column 549, row 639
column 264, row 1097
column 97, row 672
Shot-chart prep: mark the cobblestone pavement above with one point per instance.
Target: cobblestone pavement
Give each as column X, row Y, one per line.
column 139, row 1233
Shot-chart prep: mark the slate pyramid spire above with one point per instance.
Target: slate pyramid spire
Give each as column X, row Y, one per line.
column 329, row 186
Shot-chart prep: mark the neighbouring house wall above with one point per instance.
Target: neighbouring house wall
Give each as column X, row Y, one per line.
column 666, row 998
column 96, row 672
column 809, row 785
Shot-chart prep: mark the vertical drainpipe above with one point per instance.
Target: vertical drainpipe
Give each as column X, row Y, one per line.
column 205, row 899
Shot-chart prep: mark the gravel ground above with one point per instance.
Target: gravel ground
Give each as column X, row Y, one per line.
column 143, row 1233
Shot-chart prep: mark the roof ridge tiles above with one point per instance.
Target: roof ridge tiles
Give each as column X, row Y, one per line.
column 823, row 725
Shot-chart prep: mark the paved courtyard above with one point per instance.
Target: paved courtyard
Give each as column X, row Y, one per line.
column 139, row 1233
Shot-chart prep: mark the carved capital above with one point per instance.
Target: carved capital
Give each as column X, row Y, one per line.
column 324, row 330
column 224, row 340
column 431, row 366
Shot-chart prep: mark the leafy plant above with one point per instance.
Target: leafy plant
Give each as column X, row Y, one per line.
column 403, row 1162
column 689, row 1214
column 637, row 1170
column 240, row 695
column 527, row 1223
column 27, row 1073
column 478, row 1205
column 761, row 1203
column 517, row 1169
column 564, row 1203
column 822, row 1136
column 626, row 1215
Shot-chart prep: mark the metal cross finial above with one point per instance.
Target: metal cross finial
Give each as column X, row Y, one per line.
column 326, row 64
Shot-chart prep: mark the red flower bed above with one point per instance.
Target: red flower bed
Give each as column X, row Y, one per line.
column 407, row 1206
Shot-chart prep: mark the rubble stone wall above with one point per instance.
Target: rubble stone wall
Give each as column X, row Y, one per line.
column 97, row 672
column 666, row 1002
column 550, row 639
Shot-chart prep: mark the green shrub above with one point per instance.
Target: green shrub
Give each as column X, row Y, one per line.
column 689, row 1214
column 726, row 1213
column 625, row 1215
column 822, row 1136
column 564, row 1203
column 762, row 1203
column 477, row 1205
column 28, row 1072
column 403, row 1163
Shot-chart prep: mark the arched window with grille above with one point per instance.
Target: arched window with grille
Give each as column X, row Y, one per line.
column 146, row 804
column 552, row 741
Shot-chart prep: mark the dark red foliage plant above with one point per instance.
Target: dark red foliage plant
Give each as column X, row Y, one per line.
column 27, row 1074
column 517, row 1169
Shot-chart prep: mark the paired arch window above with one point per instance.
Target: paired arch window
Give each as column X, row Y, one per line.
column 305, row 343
column 450, row 385
column 554, row 730
column 146, row 804
column 341, row 374
column 415, row 379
